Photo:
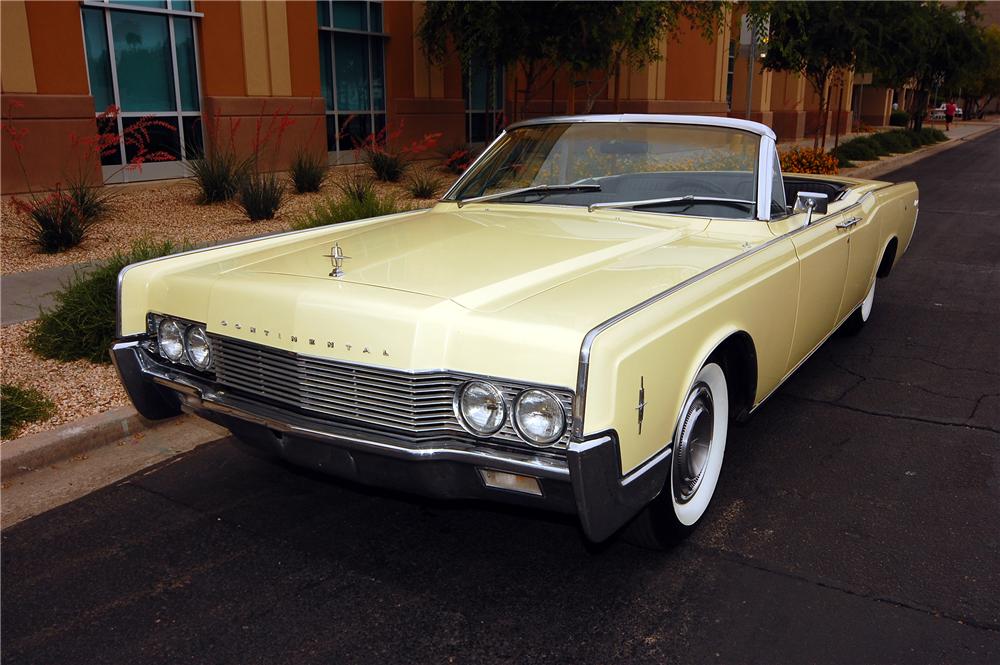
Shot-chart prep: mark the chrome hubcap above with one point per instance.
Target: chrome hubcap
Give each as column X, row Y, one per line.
column 693, row 443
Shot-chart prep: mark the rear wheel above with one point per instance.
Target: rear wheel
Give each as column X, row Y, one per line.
column 699, row 447
column 857, row 320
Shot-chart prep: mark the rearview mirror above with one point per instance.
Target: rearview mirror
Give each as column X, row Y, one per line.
column 810, row 202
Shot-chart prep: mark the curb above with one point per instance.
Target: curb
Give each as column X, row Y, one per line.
column 27, row 453
column 883, row 166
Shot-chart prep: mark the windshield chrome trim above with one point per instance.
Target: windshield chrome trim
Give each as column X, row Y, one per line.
column 540, row 189
column 660, row 118
column 630, row 205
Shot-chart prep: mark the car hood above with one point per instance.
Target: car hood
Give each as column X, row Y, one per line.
column 483, row 259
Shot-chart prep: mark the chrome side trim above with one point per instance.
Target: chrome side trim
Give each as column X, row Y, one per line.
column 583, row 368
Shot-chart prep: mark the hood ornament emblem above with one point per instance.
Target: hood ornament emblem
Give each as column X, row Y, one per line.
column 337, row 259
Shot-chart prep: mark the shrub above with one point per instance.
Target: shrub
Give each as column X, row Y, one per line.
column 20, row 406
column 53, row 222
column 308, row 172
column 892, row 142
column 348, row 209
column 899, row 119
column 218, row 175
column 261, row 196
column 389, row 163
column 457, row 158
column 423, row 186
column 386, row 166
column 909, row 137
column 82, row 324
column 855, row 149
column 357, row 187
column 91, row 201
column 808, row 160
column 930, row 135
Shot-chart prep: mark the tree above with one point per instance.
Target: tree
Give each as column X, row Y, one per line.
column 815, row 39
column 979, row 79
column 921, row 44
column 545, row 37
column 599, row 37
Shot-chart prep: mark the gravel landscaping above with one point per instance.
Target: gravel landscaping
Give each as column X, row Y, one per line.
column 78, row 389
column 170, row 211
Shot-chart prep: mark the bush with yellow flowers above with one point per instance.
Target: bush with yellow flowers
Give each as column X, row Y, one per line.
column 808, row 160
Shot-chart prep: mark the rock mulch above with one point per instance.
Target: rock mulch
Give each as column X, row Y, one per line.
column 170, row 211
column 78, row 389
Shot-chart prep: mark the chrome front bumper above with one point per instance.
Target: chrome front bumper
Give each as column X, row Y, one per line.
column 586, row 481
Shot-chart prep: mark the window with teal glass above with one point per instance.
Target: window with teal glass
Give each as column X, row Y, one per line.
column 352, row 71
column 350, row 15
column 146, row 64
column 187, row 70
column 98, row 59
column 143, row 62
column 484, row 111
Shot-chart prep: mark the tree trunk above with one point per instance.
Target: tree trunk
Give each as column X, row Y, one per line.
column 618, row 87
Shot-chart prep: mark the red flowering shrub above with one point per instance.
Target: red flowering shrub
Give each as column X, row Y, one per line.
column 389, row 163
column 60, row 219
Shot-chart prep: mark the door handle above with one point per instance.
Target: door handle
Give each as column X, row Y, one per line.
column 848, row 223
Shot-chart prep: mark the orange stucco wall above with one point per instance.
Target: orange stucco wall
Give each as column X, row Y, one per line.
column 221, row 49
column 57, row 48
column 303, row 52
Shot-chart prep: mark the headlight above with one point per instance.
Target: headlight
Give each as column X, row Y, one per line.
column 539, row 417
column 481, row 407
column 170, row 336
column 198, row 349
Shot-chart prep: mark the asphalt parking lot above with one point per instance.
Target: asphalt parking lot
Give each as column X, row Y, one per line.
column 858, row 520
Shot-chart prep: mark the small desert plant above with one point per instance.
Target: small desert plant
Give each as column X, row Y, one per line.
column 93, row 201
column 347, row 209
column 387, row 162
column 82, row 324
column 218, row 174
column 20, row 406
column 54, row 222
column 423, row 186
column 356, row 186
column 308, row 172
column 261, row 196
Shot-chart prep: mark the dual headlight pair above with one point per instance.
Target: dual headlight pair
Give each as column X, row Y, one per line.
column 178, row 341
column 537, row 415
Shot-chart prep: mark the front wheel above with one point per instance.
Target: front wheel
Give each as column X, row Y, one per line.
column 699, row 446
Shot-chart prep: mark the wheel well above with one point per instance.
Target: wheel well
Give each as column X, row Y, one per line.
column 888, row 258
column 737, row 356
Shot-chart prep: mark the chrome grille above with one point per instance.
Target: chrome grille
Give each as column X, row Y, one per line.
column 417, row 403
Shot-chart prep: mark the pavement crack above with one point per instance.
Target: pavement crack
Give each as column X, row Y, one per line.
column 896, row 416
column 743, row 560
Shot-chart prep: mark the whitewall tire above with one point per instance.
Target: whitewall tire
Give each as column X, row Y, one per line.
column 698, row 450
column 859, row 317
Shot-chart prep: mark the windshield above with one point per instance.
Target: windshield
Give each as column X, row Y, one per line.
column 657, row 167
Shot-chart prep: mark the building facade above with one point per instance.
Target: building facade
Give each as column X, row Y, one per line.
column 335, row 71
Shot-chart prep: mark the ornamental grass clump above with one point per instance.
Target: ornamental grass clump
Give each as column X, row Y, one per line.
column 261, row 196
column 387, row 162
column 82, row 323
column 217, row 175
column 423, row 186
column 20, row 406
column 308, row 171
column 348, row 208
column 53, row 222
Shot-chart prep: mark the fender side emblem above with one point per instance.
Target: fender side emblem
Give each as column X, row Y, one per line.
column 642, row 401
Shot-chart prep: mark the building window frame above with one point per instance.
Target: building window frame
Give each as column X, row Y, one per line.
column 495, row 112
column 150, row 170
column 375, row 40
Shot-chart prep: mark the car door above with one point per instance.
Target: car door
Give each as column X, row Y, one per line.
column 823, row 254
column 861, row 234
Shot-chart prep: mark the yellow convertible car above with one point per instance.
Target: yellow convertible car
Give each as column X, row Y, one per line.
column 572, row 327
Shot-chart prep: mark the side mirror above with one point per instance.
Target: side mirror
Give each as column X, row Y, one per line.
column 811, row 202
